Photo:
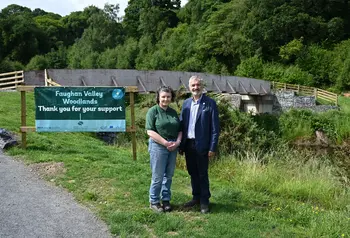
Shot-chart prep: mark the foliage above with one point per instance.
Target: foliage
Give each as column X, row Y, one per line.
column 9, row 66
column 239, row 131
column 291, row 50
column 252, row 67
column 302, row 42
column 38, row 62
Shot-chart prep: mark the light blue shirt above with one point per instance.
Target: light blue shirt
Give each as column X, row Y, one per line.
column 193, row 116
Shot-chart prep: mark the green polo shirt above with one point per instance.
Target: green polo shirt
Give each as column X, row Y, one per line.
column 165, row 122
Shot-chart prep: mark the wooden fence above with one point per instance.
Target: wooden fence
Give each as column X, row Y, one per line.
column 311, row 91
column 49, row 82
column 11, row 80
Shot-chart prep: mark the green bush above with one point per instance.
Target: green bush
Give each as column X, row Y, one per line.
column 240, row 131
column 9, row 66
column 38, row 62
column 252, row 67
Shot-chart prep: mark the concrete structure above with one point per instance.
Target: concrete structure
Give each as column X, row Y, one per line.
column 256, row 96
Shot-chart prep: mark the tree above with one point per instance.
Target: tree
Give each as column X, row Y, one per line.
column 53, row 32
column 20, row 37
column 14, row 9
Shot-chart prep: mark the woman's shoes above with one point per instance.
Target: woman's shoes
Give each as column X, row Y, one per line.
column 156, row 207
column 165, row 207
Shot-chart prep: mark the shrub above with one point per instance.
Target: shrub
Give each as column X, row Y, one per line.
column 240, row 131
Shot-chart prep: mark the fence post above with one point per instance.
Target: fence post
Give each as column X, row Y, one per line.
column 336, row 100
column 23, row 118
column 298, row 88
column 285, row 87
column 315, row 93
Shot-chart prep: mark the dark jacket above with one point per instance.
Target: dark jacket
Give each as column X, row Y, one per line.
column 207, row 124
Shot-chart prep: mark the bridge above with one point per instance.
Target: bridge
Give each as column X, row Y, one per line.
column 248, row 94
column 146, row 81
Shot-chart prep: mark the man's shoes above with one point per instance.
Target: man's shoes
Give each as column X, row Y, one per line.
column 204, row 209
column 156, row 207
column 166, row 206
column 191, row 203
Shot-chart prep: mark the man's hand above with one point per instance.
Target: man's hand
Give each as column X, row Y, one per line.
column 211, row 154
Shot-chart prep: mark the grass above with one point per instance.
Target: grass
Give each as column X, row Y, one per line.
column 283, row 193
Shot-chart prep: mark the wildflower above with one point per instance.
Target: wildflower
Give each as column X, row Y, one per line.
column 278, row 208
column 342, row 235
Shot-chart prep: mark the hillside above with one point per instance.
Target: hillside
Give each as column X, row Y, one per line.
column 300, row 42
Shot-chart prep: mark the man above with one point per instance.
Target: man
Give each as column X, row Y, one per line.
column 200, row 125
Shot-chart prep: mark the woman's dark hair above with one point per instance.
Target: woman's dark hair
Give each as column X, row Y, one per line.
column 166, row 89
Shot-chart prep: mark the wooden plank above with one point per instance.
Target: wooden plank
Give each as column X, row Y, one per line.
column 7, row 88
column 326, row 98
column 52, row 83
column 326, row 94
column 307, row 91
column 9, row 73
column 131, row 89
column 46, row 78
column 25, row 88
column 13, row 82
column 27, row 129
column 11, row 78
column 133, row 134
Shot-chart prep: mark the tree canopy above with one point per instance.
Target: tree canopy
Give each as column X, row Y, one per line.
column 294, row 41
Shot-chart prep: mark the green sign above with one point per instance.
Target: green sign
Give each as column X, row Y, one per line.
column 80, row 109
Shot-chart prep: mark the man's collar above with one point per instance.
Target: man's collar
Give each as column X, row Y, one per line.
column 199, row 100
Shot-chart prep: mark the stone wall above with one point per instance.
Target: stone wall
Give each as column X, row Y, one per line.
column 286, row 100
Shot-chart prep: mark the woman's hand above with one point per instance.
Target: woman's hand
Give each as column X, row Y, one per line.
column 173, row 145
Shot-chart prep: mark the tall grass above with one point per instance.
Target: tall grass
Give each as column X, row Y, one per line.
column 286, row 173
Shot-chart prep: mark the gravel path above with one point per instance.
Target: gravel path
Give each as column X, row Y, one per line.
column 31, row 207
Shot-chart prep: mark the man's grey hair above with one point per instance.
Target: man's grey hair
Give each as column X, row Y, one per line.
column 197, row 78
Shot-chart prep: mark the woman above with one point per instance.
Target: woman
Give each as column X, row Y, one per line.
column 163, row 128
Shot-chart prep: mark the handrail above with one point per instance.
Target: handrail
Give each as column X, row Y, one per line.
column 11, row 80
column 312, row 91
column 49, row 82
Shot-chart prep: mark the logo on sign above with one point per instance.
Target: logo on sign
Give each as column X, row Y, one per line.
column 117, row 94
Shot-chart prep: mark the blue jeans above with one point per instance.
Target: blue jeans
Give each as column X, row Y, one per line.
column 163, row 164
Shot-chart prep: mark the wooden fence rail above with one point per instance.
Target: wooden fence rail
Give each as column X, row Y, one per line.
column 318, row 93
column 49, row 82
column 11, row 80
